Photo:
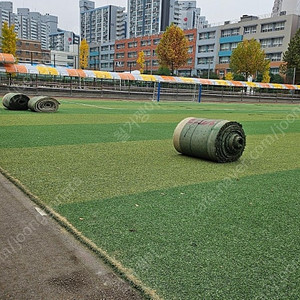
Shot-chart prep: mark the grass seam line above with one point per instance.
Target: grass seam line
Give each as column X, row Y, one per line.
column 123, row 272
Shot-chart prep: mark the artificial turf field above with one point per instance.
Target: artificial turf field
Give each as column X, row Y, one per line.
column 187, row 228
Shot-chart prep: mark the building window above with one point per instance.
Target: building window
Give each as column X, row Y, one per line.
column 230, row 32
column 155, row 63
column 267, row 27
column 131, row 63
column 147, row 52
column 120, row 64
column 132, row 44
column 190, row 37
column 105, row 48
column 273, row 26
column 190, row 61
column 274, row 56
column 145, row 43
column 132, row 54
column 273, row 42
column 225, row 47
column 205, row 60
column 156, row 41
column 120, row 55
column 207, row 35
column 206, row 48
column 274, row 70
column 279, row 26
column 120, row 46
column 250, row 29
column 224, row 60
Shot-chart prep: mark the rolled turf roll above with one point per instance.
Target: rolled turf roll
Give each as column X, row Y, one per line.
column 43, row 104
column 216, row 140
column 15, row 101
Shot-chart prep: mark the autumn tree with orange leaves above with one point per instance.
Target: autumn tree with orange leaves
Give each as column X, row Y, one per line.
column 172, row 51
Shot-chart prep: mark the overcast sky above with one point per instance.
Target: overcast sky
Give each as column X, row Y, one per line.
column 215, row 10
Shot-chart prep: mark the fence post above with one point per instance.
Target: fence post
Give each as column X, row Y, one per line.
column 200, row 93
column 158, row 91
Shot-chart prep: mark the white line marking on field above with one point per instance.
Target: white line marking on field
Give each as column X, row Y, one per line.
column 40, row 211
column 92, row 105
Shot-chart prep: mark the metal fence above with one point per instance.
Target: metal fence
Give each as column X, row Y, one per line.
column 144, row 90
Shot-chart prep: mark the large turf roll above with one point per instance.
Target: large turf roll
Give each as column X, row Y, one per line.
column 43, row 104
column 15, row 101
column 217, row 140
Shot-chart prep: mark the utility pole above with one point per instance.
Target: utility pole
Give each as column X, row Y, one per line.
column 294, row 77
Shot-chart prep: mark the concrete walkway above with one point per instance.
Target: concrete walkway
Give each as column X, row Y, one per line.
column 40, row 260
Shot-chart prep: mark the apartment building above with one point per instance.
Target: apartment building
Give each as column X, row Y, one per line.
column 29, row 25
column 286, row 7
column 102, row 24
column 215, row 44
column 146, row 17
column 186, row 15
column 126, row 53
column 62, row 40
column 35, row 26
column 7, row 15
column 102, row 56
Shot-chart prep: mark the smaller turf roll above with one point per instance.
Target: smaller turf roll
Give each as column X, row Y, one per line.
column 15, row 101
column 43, row 104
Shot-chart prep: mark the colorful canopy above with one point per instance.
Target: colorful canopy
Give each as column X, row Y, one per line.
column 7, row 58
column 63, row 71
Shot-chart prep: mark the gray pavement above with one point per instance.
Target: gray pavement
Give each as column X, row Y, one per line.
column 40, row 260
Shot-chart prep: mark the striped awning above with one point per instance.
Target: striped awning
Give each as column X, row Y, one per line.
column 7, row 58
column 63, row 71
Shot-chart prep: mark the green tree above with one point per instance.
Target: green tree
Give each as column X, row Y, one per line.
column 172, row 51
column 248, row 59
column 9, row 39
column 292, row 56
column 83, row 54
column 141, row 61
column 163, row 71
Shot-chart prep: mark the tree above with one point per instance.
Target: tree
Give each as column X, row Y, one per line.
column 141, row 61
column 163, row 71
column 248, row 59
column 266, row 77
column 172, row 51
column 229, row 76
column 9, row 39
column 83, row 54
column 292, row 56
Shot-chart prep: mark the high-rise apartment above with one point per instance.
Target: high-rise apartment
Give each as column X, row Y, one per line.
column 286, row 7
column 29, row 25
column 102, row 24
column 146, row 17
column 186, row 15
column 35, row 26
column 62, row 40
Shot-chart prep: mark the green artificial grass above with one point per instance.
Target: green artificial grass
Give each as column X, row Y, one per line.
column 232, row 246
column 188, row 228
